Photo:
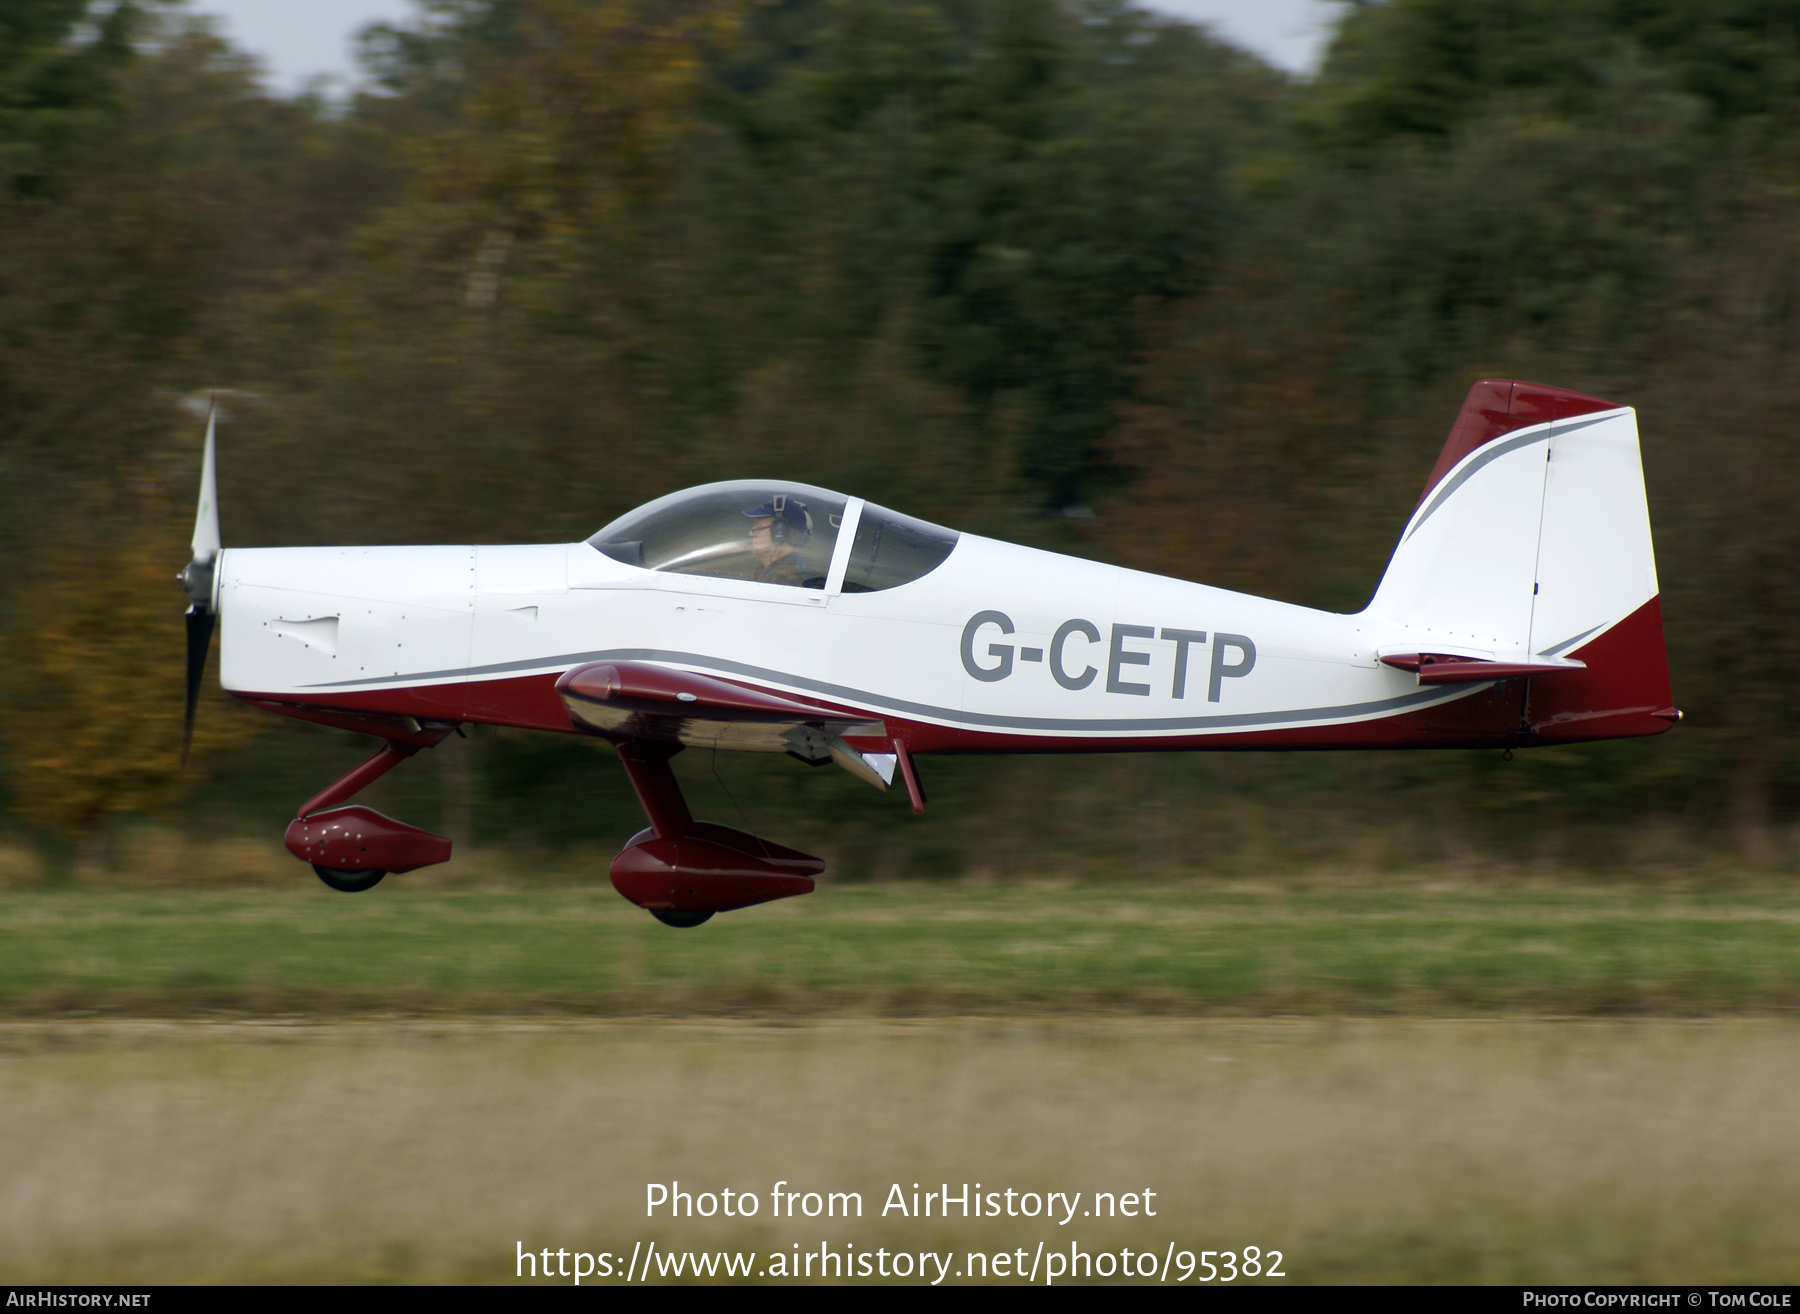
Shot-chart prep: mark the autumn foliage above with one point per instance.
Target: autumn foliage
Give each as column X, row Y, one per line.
column 1069, row 273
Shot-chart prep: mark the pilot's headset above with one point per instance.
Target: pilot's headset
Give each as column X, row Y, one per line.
column 787, row 515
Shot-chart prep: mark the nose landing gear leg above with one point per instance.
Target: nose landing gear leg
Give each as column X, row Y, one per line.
column 352, row 848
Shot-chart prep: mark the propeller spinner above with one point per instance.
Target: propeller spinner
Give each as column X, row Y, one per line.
column 197, row 579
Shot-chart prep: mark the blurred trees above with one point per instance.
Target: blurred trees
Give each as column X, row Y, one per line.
column 646, row 243
column 95, row 729
column 1591, row 194
column 128, row 196
column 56, row 96
column 985, row 260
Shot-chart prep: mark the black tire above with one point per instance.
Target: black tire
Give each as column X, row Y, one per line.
column 680, row 919
column 349, row 882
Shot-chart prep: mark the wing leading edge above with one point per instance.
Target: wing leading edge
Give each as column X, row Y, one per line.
column 640, row 701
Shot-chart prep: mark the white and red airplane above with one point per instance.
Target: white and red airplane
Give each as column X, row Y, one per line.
column 1520, row 608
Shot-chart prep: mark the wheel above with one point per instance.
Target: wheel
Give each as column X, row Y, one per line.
column 351, row 882
column 682, row 919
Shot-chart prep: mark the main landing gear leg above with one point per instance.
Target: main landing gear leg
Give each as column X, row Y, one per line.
column 352, row 848
column 683, row 871
column 657, row 790
column 659, row 794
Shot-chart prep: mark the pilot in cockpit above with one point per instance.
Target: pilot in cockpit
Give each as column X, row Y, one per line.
column 779, row 531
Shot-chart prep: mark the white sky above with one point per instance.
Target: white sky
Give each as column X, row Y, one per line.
column 298, row 40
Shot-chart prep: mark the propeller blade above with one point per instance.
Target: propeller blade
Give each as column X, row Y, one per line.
column 197, row 578
column 206, row 519
column 199, row 639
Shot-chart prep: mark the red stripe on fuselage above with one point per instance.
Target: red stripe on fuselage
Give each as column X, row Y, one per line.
column 530, row 702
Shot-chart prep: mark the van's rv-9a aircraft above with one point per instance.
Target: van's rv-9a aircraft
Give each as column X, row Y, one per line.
column 1520, row 609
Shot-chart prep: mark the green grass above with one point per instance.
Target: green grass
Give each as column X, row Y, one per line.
column 1172, row 947
column 1391, row 1081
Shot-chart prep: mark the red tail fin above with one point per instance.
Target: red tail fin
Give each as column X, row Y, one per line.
column 1497, row 407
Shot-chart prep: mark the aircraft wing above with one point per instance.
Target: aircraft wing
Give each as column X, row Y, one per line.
column 638, row 700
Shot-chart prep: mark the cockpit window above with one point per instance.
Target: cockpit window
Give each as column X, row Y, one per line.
column 891, row 549
column 774, row 533
column 770, row 533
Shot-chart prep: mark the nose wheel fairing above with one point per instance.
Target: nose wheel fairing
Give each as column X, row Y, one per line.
column 352, row 848
column 358, row 838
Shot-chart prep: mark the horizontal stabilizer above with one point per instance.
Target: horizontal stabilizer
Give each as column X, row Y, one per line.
column 1438, row 668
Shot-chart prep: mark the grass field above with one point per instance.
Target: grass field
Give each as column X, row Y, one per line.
column 1396, row 1150
column 1172, row 948
column 1401, row 1080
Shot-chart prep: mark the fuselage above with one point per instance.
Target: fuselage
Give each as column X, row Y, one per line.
column 998, row 648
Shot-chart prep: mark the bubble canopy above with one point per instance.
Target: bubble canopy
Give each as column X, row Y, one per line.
column 773, row 532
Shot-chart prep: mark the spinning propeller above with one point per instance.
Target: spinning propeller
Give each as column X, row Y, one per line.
column 197, row 580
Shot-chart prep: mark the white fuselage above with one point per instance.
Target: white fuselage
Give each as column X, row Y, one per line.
column 313, row 624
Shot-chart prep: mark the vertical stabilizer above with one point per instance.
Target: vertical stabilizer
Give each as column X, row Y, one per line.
column 1532, row 544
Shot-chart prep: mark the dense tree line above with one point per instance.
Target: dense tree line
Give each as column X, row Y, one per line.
column 1070, row 273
